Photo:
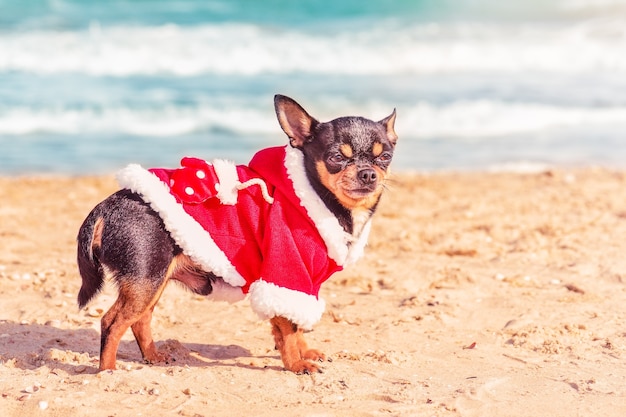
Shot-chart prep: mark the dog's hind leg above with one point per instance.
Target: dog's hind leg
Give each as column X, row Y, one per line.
column 143, row 335
column 133, row 308
column 141, row 328
column 113, row 326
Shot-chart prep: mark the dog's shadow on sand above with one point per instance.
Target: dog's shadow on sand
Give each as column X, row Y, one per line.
column 75, row 351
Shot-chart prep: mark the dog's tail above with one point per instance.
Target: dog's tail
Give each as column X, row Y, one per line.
column 90, row 268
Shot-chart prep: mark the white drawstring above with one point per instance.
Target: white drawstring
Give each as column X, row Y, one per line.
column 260, row 183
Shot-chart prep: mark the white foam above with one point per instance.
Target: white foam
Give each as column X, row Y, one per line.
column 487, row 118
column 519, row 167
column 160, row 122
column 466, row 119
column 245, row 49
column 592, row 5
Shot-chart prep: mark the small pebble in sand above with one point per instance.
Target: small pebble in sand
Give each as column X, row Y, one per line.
column 43, row 405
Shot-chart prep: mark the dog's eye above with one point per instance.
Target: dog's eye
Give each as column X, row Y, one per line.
column 336, row 158
column 385, row 157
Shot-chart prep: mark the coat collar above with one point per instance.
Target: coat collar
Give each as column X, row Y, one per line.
column 342, row 247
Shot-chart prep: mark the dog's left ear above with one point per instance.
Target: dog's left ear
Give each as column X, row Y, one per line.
column 294, row 120
column 388, row 122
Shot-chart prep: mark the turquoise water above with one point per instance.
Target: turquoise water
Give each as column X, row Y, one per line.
column 89, row 86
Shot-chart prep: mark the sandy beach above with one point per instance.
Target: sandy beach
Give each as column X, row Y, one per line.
column 481, row 294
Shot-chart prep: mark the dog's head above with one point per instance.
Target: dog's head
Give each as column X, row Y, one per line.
column 348, row 156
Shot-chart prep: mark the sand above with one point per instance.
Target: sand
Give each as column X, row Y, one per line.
column 482, row 294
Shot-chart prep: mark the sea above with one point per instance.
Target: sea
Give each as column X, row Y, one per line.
column 87, row 87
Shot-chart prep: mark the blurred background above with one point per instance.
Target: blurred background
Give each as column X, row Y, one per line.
column 89, row 86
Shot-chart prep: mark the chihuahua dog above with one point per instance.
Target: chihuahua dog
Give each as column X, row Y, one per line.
column 274, row 230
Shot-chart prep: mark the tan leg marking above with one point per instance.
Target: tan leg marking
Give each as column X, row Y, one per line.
column 293, row 348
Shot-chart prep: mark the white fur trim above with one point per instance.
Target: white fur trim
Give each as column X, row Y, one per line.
column 335, row 238
column 358, row 246
column 186, row 232
column 269, row 300
column 226, row 171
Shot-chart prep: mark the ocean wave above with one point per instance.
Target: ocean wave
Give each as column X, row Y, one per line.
column 478, row 119
column 519, row 167
column 591, row 7
column 156, row 122
column 486, row 118
column 246, row 49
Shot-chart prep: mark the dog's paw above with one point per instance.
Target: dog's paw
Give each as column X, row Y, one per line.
column 158, row 357
column 314, row 355
column 305, row 367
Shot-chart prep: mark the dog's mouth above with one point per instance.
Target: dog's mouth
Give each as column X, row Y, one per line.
column 361, row 185
column 359, row 195
column 354, row 188
column 360, row 192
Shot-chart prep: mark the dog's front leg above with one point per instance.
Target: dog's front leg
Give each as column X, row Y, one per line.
column 305, row 352
column 293, row 349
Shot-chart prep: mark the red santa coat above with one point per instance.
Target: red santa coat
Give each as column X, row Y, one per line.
column 261, row 228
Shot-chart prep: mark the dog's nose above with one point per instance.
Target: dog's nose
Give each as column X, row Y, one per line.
column 367, row 176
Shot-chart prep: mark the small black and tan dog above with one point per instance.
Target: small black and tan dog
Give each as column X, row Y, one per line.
column 274, row 230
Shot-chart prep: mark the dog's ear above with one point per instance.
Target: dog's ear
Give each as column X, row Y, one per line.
column 388, row 122
column 294, row 120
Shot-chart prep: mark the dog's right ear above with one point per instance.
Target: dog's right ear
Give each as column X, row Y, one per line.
column 294, row 120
